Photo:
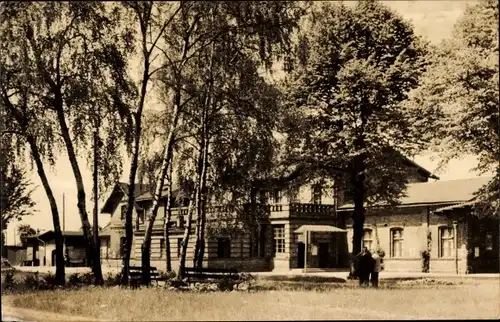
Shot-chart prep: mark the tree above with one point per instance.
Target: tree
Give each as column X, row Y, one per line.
column 15, row 188
column 191, row 39
column 459, row 93
column 73, row 53
column 348, row 76
column 152, row 19
column 32, row 131
column 24, row 231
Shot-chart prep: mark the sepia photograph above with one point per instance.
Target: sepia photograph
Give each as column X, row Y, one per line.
column 249, row 160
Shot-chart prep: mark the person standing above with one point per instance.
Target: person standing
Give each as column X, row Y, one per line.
column 365, row 267
column 377, row 267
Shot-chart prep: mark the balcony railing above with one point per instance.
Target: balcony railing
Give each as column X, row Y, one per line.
column 312, row 208
column 179, row 214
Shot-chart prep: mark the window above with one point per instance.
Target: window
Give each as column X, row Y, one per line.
column 397, row 242
column 142, row 212
column 263, row 196
column 123, row 212
column 123, row 241
column 294, row 194
column 279, row 239
column 489, row 242
column 262, row 240
column 180, row 220
column 104, row 247
column 367, row 238
column 445, row 241
column 316, row 194
column 258, row 245
column 277, row 196
column 223, row 247
column 179, row 247
column 162, row 247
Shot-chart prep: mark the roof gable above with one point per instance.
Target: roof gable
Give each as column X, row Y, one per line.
column 119, row 193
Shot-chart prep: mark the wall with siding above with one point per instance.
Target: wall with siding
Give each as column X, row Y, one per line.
column 414, row 223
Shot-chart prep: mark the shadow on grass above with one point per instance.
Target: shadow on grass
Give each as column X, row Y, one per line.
column 328, row 284
column 309, row 279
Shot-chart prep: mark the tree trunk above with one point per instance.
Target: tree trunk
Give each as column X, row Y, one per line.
column 97, row 247
column 167, row 157
column 198, row 210
column 168, row 216
column 201, row 207
column 187, row 231
column 185, row 241
column 146, row 244
column 60, row 270
column 81, row 203
column 133, row 171
column 358, row 216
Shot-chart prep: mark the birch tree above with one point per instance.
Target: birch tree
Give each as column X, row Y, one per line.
column 29, row 128
column 197, row 27
column 151, row 19
column 74, row 55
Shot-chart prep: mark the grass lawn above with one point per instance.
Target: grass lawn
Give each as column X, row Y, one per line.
column 329, row 301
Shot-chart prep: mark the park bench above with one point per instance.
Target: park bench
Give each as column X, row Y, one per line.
column 136, row 274
column 210, row 275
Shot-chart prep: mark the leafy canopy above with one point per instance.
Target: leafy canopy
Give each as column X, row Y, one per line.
column 460, row 93
column 348, row 76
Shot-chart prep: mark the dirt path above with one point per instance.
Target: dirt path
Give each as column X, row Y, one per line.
column 12, row 313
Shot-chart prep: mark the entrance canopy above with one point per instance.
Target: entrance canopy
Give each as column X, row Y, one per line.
column 319, row 228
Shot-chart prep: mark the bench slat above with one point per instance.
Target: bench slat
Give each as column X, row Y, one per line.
column 210, row 270
column 213, row 277
column 134, row 268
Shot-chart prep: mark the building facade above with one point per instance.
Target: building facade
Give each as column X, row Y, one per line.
column 438, row 217
column 302, row 228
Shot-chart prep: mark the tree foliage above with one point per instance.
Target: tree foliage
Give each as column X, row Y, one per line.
column 24, row 231
column 66, row 60
column 460, row 93
column 349, row 75
column 15, row 188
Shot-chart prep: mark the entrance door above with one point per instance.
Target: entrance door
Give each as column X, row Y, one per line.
column 323, row 255
column 53, row 258
column 301, row 255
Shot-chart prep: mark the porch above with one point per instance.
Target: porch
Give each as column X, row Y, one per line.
column 319, row 248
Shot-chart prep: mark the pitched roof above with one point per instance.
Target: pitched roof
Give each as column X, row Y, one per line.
column 148, row 196
column 119, row 192
column 49, row 234
column 440, row 192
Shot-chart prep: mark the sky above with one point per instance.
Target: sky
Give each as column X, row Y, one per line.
column 431, row 19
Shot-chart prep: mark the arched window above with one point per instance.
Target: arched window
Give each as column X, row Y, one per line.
column 367, row 238
column 396, row 242
column 445, row 241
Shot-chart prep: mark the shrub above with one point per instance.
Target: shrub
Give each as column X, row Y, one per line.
column 9, row 281
column 74, row 280
column 113, row 279
column 167, row 275
column 87, row 278
column 48, row 282
column 226, row 284
column 31, row 281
